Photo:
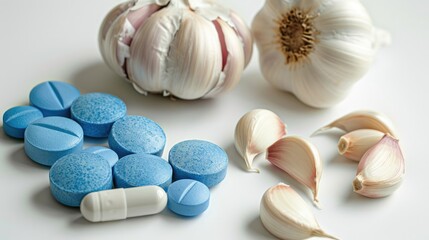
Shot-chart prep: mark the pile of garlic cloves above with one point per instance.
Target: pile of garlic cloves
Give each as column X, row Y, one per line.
column 371, row 140
column 283, row 212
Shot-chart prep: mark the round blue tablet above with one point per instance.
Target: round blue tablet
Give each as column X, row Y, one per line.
column 199, row 160
column 141, row 170
column 96, row 112
column 136, row 134
column 48, row 139
column 188, row 197
column 106, row 153
column 54, row 98
column 75, row 175
column 16, row 120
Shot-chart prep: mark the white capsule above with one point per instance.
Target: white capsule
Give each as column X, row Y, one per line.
column 120, row 203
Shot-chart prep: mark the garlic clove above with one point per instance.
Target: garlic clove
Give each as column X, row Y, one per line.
column 353, row 145
column 361, row 120
column 381, row 169
column 256, row 131
column 300, row 159
column 287, row 216
column 150, row 49
column 233, row 55
column 245, row 36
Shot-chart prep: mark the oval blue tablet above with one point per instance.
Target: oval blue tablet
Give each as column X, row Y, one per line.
column 106, row 153
column 16, row 120
column 54, row 98
column 137, row 134
column 75, row 175
column 96, row 112
column 188, row 197
column 141, row 170
column 48, row 139
column 199, row 160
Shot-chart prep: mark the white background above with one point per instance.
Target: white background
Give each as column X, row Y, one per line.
column 57, row 40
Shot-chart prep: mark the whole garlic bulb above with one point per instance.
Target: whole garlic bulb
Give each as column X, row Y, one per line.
column 187, row 48
column 316, row 49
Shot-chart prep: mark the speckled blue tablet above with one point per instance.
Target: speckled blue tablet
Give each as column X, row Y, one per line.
column 16, row 120
column 75, row 175
column 136, row 134
column 106, row 153
column 141, row 170
column 199, row 160
column 188, row 197
column 48, row 139
column 96, row 112
column 54, row 98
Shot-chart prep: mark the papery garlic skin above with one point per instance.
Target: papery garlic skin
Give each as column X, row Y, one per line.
column 381, row 169
column 255, row 132
column 300, row 159
column 361, row 120
column 315, row 49
column 355, row 144
column 189, row 49
column 287, row 216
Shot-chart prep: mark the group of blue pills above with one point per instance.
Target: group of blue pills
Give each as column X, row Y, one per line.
column 53, row 128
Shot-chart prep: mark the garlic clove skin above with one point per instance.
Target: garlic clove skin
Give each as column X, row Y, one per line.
column 287, row 216
column 360, row 120
column 316, row 50
column 300, row 159
column 381, row 169
column 256, row 131
column 353, row 145
column 189, row 48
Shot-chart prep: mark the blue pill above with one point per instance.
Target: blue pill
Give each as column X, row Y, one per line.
column 141, row 170
column 199, row 160
column 106, row 153
column 188, row 197
column 54, row 98
column 96, row 112
column 16, row 120
column 75, row 175
column 48, row 139
column 137, row 134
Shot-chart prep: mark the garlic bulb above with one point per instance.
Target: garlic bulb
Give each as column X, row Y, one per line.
column 316, row 49
column 256, row 131
column 361, row 120
column 300, row 159
column 381, row 169
column 354, row 144
column 186, row 48
column 286, row 215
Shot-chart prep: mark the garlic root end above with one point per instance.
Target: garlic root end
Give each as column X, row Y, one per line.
column 343, row 145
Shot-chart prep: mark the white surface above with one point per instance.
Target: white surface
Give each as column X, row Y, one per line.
column 49, row 39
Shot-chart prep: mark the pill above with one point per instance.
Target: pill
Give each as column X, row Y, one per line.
column 137, row 134
column 54, row 98
column 120, row 203
column 16, row 120
column 50, row 138
column 96, row 112
column 188, row 197
column 141, row 170
column 106, row 153
column 77, row 174
column 199, row 160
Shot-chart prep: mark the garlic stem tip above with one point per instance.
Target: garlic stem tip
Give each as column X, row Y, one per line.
column 320, row 131
column 317, row 204
column 253, row 170
column 321, row 233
